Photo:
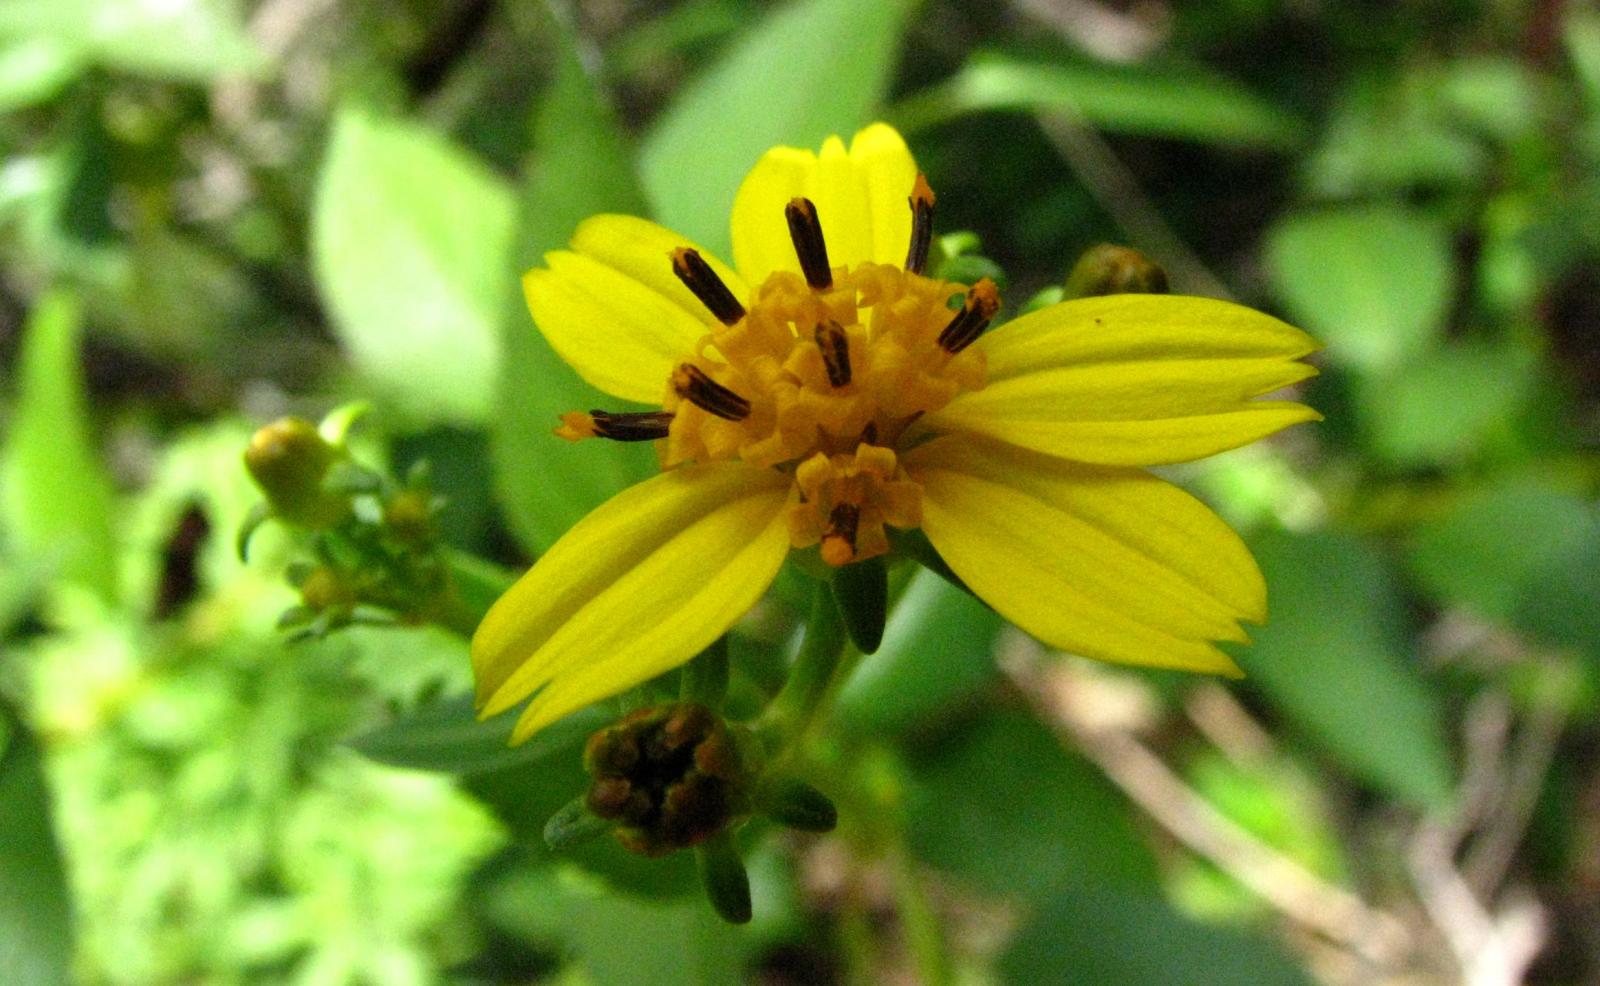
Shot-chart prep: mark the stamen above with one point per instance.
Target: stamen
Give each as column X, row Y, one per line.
column 921, row 225
column 982, row 304
column 694, row 386
column 806, row 232
column 698, row 277
column 835, row 347
column 642, row 426
column 839, row 543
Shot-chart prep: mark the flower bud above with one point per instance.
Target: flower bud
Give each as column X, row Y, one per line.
column 288, row 460
column 1108, row 269
column 409, row 516
column 669, row 777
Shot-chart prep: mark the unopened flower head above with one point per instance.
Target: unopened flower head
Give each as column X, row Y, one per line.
column 824, row 389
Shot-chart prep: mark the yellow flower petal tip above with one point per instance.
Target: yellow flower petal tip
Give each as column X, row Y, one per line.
column 821, row 391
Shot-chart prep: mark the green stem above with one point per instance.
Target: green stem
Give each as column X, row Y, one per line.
column 705, row 679
column 921, row 926
column 796, row 705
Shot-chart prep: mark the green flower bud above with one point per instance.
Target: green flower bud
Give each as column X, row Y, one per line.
column 669, row 777
column 1108, row 269
column 409, row 516
column 288, row 460
column 324, row 589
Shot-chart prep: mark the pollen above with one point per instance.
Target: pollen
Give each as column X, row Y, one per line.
column 820, row 374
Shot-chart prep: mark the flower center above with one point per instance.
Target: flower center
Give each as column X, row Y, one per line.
column 820, row 376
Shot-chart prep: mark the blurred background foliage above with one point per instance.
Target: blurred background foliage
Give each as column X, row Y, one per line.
column 215, row 212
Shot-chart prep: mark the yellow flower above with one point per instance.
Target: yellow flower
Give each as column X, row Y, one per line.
column 823, row 388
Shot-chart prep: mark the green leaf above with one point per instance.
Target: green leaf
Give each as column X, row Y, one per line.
column 56, row 500
column 810, row 69
column 1335, row 658
column 186, row 40
column 447, row 735
column 410, row 243
column 937, row 651
column 1095, row 938
column 1005, row 804
column 1526, row 555
column 1372, row 282
column 35, row 913
column 622, row 942
column 581, row 166
column 1186, row 105
column 1414, row 415
column 34, row 70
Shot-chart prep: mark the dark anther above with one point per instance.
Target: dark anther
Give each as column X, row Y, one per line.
column 694, row 386
column 642, row 426
column 835, row 347
column 806, row 231
column 921, row 225
column 698, row 277
column 982, row 303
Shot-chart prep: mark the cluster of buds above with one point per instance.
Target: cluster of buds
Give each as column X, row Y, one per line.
column 372, row 546
column 679, row 776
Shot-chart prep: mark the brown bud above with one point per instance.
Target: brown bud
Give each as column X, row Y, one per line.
column 670, row 777
column 1108, row 269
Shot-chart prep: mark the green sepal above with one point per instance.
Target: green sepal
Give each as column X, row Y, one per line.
column 861, row 590
column 258, row 515
column 573, row 825
column 723, row 875
column 798, row 805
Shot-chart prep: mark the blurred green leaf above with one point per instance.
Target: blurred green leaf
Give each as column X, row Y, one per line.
column 1003, row 803
column 188, row 40
column 447, row 735
column 35, row 912
column 1582, row 36
column 34, row 69
column 1372, row 282
column 410, row 243
column 1488, row 551
column 1496, row 96
column 1186, row 105
column 1393, row 134
column 581, row 166
column 1414, row 415
column 56, row 500
column 810, row 69
column 937, row 650
column 1335, row 658
column 1097, row 938
column 622, row 942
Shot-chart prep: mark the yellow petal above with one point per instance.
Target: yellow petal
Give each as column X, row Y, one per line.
column 1110, row 563
column 860, row 195
column 1135, row 379
column 613, row 309
column 642, row 584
